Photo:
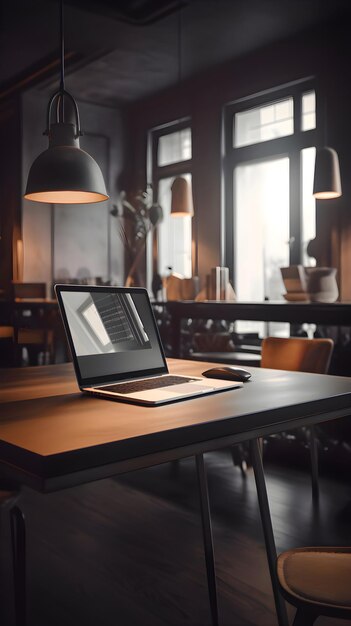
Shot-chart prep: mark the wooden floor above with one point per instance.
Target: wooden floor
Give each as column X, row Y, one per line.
column 128, row 551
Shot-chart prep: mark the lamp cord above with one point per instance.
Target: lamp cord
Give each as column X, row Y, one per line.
column 325, row 118
column 61, row 100
column 59, row 96
column 62, row 42
column 180, row 43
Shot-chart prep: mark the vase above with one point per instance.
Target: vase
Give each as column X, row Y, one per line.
column 321, row 284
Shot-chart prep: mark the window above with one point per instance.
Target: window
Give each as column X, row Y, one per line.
column 270, row 211
column 174, row 147
column 265, row 245
column 308, row 117
column 263, row 123
column 174, row 235
column 171, row 153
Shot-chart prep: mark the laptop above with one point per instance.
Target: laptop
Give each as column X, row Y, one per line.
column 116, row 348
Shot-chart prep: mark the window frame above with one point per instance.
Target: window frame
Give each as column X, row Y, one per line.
column 290, row 146
column 172, row 169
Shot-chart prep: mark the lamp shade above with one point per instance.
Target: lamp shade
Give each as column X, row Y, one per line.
column 182, row 201
column 65, row 174
column 327, row 183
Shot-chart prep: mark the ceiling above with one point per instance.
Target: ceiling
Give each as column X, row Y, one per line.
column 132, row 48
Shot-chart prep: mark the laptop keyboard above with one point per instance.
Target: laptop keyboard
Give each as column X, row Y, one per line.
column 148, row 383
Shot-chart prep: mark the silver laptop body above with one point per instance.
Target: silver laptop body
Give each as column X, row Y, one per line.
column 116, row 348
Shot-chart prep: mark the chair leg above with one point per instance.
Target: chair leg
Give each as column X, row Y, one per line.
column 314, row 462
column 238, row 458
column 304, row 618
column 207, row 537
column 18, row 539
column 174, row 468
column 3, row 574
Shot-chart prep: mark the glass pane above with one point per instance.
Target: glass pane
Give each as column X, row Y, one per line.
column 308, row 156
column 308, row 116
column 261, row 235
column 264, row 123
column 174, row 235
column 174, row 147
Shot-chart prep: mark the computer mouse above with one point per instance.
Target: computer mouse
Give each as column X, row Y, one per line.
column 228, row 372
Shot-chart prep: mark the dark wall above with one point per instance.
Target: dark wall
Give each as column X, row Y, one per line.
column 324, row 54
column 10, row 186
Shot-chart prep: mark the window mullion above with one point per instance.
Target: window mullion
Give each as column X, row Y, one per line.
column 295, row 188
column 229, row 210
column 173, row 169
column 295, row 221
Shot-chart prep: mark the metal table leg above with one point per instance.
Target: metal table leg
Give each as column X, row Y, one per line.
column 207, row 537
column 267, row 530
column 18, row 537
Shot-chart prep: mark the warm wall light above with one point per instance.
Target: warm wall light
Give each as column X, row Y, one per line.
column 327, row 182
column 182, row 201
column 64, row 174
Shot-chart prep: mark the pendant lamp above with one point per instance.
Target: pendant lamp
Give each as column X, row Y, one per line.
column 64, row 174
column 182, row 201
column 327, row 182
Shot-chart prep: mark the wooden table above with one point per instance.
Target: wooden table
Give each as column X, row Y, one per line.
column 328, row 314
column 53, row 437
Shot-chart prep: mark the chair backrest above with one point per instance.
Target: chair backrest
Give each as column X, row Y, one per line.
column 29, row 290
column 297, row 354
column 213, row 342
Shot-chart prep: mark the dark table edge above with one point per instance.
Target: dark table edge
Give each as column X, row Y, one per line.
column 48, row 484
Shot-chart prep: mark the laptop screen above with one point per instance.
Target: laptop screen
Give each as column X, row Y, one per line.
column 111, row 331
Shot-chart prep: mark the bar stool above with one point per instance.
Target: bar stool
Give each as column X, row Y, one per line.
column 317, row 582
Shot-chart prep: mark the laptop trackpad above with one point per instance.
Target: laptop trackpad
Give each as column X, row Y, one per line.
column 186, row 389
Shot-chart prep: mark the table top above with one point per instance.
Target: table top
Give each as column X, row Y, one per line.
column 52, row 436
column 331, row 313
column 334, row 313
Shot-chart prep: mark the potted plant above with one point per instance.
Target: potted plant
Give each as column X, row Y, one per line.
column 138, row 216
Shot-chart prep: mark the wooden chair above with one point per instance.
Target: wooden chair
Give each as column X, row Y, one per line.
column 317, row 582
column 297, row 354
column 28, row 290
column 29, row 331
column 219, row 347
column 301, row 355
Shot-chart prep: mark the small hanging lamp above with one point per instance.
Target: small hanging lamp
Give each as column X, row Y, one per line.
column 64, row 174
column 182, row 201
column 327, row 182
